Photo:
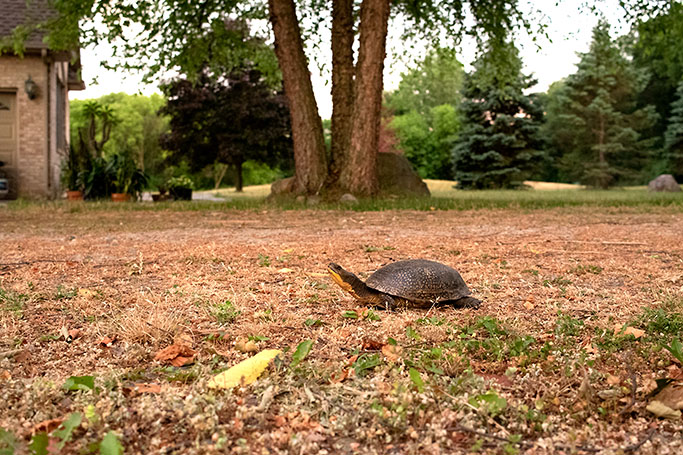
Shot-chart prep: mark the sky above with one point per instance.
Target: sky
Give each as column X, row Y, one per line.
column 550, row 59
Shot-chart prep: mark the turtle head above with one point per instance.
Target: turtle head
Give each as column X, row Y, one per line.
column 346, row 280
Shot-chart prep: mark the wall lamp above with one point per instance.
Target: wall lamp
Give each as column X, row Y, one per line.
column 31, row 88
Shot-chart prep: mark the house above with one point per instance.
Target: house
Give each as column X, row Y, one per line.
column 34, row 104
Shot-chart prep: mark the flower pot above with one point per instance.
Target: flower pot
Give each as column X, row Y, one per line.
column 181, row 194
column 74, row 195
column 120, row 197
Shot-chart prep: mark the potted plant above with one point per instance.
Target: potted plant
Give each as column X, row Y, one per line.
column 71, row 175
column 127, row 180
column 180, row 188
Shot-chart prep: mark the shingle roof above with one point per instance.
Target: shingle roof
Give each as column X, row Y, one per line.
column 25, row 12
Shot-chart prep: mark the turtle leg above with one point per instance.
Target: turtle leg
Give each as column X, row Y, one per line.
column 387, row 302
column 467, row 302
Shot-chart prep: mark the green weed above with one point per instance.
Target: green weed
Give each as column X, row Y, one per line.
column 225, row 312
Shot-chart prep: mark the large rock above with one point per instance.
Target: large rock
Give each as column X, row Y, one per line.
column 664, row 182
column 396, row 176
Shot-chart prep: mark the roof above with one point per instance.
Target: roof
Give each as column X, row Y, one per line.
column 26, row 12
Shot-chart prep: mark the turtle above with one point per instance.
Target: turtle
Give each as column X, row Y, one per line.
column 412, row 282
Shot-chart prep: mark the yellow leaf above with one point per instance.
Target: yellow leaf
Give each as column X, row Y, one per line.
column 621, row 330
column 288, row 250
column 661, row 410
column 87, row 293
column 318, row 274
column 285, row 270
column 245, row 372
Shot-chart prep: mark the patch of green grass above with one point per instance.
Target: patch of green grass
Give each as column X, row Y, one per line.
column 567, row 326
column 665, row 321
column 583, row 269
column 65, row 294
column 12, row 302
column 444, row 200
column 225, row 312
column 558, row 281
column 263, row 260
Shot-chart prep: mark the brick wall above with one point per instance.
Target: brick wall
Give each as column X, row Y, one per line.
column 30, row 171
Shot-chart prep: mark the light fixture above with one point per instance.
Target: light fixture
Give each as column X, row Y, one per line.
column 31, row 88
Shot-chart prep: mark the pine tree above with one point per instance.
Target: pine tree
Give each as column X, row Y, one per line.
column 593, row 123
column 499, row 144
column 673, row 138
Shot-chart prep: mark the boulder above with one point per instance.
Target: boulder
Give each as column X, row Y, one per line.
column 282, row 186
column 397, row 177
column 664, row 182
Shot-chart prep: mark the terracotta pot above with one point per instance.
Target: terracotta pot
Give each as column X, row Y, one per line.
column 75, row 195
column 120, row 197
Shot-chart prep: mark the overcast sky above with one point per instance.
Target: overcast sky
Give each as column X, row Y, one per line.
column 569, row 31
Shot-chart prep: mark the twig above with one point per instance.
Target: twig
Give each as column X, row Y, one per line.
column 634, row 387
column 10, row 353
column 638, row 445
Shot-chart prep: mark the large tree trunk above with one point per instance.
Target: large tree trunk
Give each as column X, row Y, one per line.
column 342, row 86
column 359, row 174
column 307, row 132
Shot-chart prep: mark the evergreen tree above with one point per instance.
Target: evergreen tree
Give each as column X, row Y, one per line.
column 673, row 138
column 593, row 123
column 499, row 144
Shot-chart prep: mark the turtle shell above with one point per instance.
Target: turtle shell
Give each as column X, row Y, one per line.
column 420, row 281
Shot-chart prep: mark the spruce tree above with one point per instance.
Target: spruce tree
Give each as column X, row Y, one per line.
column 673, row 138
column 498, row 145
column 593, row 123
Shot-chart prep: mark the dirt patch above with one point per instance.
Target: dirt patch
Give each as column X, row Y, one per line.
column 562, row 278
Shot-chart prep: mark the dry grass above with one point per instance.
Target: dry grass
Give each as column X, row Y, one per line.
column 555, row 283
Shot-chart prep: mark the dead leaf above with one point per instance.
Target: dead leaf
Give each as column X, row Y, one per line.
column 107, row 341
column 372, row 345
column 628, row 330
column 661, row 410
column 87, row 293
column 675, row 372
column 176, row 354
column 391, row 352
column 140, row 388
column 285, row 270
column 73, row 334
column 336, row 378
column 183, row 339
column 529, row 305
column 48, row 426
column 245, row 372
column 23, row 357
column 671, row 395
column 613, row 380
column 5, row 375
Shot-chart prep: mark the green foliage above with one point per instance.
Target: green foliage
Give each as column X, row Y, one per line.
column 83, row 383
column 12, row 301
column 489, row 402
column 8, row 442
column 416, row 379
column 676, row 349
column 499, row 144
column 125, row 176
column 66, row 429
column 225, row 312
column 673, row 137
column 136, row 131
column 593, row 126
column 425, row 118
column 110, row 444
column 302, row 350
column 227, row 120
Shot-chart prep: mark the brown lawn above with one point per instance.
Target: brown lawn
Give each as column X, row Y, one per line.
column 140, row 280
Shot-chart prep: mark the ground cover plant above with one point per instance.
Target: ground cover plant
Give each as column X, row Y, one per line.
column 114, row 320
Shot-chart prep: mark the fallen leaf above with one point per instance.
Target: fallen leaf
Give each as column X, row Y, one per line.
column 245, row 372
column 184, row 339
column 372, row 345
column 661, row 410
column 107, row 341
column 671, row 395
column 285, row 270
column 391, row 352
column 87, row 293
column 613, row 380
column 619, row 329
column 47, row 426
column 73, row 334
column 528, row 305
column 5, row 375
column 140, row 388
column 176, row 354
column 336, row 378
column 318, row 274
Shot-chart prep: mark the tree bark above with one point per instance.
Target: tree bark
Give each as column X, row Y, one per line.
column 342, row 87
column 310, row 165
column 359, row 174
column 239, row 182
